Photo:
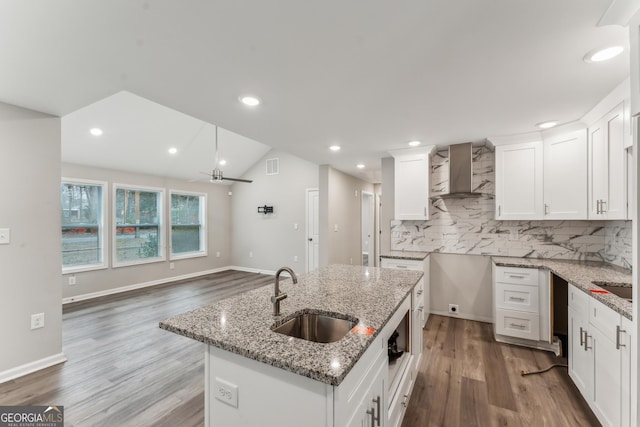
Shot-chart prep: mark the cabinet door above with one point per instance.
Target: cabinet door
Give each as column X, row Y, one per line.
column 580, row 359
column 625, row 372
column 615, row 206
column 411, row 187
column 606, row 382
column 519, row 181
column 598, row 170
column 565, row 176
column 634, row 40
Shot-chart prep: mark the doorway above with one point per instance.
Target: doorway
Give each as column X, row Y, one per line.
column 367, row 234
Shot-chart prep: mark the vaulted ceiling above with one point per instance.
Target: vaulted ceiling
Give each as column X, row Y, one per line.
column 368, row 75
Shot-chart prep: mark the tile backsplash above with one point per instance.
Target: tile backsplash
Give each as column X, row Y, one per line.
column 466, row 226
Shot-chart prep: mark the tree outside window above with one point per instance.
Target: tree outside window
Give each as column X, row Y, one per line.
column 187, row 224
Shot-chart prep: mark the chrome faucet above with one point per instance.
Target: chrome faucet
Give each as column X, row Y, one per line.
column 279, row 296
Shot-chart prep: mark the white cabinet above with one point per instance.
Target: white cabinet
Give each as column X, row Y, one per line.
column 411, row 184
column 422, row 290
column 634, row 41
column 565, row 176
column 599, row 357
column 519, row 185
column 522, row 307
column 607, row 167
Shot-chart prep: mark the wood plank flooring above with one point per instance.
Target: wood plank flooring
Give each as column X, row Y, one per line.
column 468, row 379
column 125, row 371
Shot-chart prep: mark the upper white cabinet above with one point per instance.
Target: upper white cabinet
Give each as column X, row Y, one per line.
column 412, row 173
column 565, row 176
column 519, row 185
column 634, row 40
column 607, row 167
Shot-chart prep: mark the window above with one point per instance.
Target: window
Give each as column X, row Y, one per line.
column 188, row 225
column 83, row 231
column 138, row 225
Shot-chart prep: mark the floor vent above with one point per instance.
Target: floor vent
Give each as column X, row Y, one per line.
column 273, row 166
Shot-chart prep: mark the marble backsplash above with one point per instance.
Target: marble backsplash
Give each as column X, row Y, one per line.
column 466, row 226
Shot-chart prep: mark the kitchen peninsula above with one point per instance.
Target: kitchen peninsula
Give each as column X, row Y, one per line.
column 255, row 376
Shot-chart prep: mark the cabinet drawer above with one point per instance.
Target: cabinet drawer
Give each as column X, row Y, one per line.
column 418, row 297
column 403, row 264
column 517, row 276
column 517, row 297
column 603, row 318
column 400, row 401
column 578, row 300
column 518, row 324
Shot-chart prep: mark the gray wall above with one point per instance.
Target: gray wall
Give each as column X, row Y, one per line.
column 271, row 238
column 464, row 280
column 30, row 207
column 388, row 204
column 340, row 206
column 218, row 228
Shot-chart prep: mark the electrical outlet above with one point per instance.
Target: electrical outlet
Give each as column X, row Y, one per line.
column 295, row 258
column 172, row 266
column 453, row 308
column 335, row 227
column 72, row 279
column 217, row 254
column 37, row 321
column 295, row 225
column 225, row 392
column 250, row 254
column 5, row 236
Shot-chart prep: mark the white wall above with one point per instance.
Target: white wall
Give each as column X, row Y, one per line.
column 387, row 201
column 30, row 264
column 218, row 233
column 272, row 238
column 340, row 209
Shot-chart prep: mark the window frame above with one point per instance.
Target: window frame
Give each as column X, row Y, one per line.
column 103, row 224
column 161, row 226
column 204, row 244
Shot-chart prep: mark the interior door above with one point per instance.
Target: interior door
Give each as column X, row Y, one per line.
column 313, row 229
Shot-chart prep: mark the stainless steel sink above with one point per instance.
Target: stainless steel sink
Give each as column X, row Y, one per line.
column 621, row 291
column 314, row 327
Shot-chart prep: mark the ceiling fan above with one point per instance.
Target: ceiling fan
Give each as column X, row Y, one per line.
column 216, row 174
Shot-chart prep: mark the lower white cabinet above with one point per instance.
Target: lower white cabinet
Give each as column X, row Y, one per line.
column 423, row 288
column 599, row 357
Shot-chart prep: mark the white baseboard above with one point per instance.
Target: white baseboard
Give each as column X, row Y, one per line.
column 98, row 294
column 31, row 367
column 466, row 316
column 254, row 270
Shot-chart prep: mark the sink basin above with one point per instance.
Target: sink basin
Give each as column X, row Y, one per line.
column 322, row 328
column 621, row 291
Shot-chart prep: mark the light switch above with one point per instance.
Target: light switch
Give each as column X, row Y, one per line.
column 5, row 236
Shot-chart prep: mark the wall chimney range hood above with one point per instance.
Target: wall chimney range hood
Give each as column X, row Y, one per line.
column 460, row 172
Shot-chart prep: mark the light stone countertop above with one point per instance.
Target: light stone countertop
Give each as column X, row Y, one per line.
column 242, row 324
column 419, row 256
column 585, row 275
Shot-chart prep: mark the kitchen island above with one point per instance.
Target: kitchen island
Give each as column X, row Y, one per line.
column 255, row 376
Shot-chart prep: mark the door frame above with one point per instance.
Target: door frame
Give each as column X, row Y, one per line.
column 308, row 192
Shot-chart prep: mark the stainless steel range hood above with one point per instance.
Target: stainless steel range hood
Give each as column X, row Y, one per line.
column 460, row 171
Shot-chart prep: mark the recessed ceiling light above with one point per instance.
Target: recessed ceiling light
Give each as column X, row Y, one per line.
column 414, row 143
column 547, row 125
column 360, row 166
column 600, row 55
column 95, row 131
column 334, row 148
column 173, row 150
column 251, row 101
column 222, row 162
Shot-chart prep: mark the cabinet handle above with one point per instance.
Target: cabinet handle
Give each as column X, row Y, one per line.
column 421, row 308
column 516, row 325
column 376, row 419
column 499, row 210
column 425, row 211
column 419, row 292
column 371, row 412
column 582, row 336
column 586, row 341
column 404, row 401
column 603, row 206
column 401, row 266
column 598, row 207
column 546, row 209
column 516, row 299
column 618, row 344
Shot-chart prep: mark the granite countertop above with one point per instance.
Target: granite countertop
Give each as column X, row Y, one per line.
column 419, row 256
column 242, row 324
column 585, row 275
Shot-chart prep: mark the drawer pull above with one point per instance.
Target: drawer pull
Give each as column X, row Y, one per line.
column 618, row 344
column 582, row 333
column 517, row 276
column 401, row 266
column 420, row 292
column 517, row 325
column 404, row 401
column 516, row 299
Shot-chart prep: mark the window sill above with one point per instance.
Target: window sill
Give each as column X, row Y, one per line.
column 83, row 268
column 188, row 255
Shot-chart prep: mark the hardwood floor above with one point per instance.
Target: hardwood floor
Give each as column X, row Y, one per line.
column 466, row 378
column 123, row 370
